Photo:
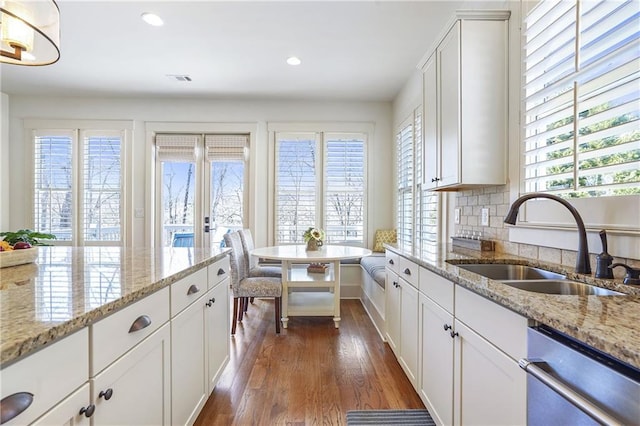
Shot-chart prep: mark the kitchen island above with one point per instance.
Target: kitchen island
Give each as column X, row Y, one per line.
column 117, row 323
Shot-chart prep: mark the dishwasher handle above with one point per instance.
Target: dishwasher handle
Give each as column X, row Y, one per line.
column 582, row 403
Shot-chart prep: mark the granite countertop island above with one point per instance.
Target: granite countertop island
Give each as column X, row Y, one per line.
column 610, row 324
column 68, row 288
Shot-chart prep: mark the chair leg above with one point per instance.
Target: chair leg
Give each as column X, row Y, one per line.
column 241, row 311
column 246, row 303
column 234, row 320
column 277, row 309
column 251, row 300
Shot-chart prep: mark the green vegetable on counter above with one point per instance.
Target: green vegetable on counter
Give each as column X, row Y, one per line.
column 27, row 236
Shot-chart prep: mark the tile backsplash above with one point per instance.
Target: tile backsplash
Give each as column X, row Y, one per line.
column 496, row 199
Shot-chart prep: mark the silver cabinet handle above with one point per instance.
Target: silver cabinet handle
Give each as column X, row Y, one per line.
column 582, row 403
column 221, row 272
column 391, row 262
column 143, row 321
column 407, row 271
column 13, row 405
column 193, row 290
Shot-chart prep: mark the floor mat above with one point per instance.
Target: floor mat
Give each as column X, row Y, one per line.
column 389, row 417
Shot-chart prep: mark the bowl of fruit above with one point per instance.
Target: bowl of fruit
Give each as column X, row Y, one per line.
column 18, row 248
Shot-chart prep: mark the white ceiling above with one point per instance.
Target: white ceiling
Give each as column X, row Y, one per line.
column 360, row 50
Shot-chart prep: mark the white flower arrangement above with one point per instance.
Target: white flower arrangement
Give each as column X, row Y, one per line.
column 313, row 233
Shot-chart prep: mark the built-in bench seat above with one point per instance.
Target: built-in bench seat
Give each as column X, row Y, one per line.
column 374, row 266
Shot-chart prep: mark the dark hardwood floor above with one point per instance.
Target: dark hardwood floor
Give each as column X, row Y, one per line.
column 310, row 374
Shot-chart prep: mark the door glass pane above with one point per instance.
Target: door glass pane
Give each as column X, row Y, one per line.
column 227, row 195
column 178, row 189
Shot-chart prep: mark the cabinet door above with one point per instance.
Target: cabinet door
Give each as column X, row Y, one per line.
column 67, row 412
column 392, row 310
column 409, row 330
column 491, row 387
column 137, row 385
column 188, row 362
column 448, row 59
column 217, row 331
column 430, row 106
column 436, row 377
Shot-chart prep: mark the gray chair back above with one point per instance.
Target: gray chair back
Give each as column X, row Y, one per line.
column 239, row 270
column 248, row 245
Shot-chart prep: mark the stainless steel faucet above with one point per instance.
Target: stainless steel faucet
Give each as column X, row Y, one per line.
column 583, row 265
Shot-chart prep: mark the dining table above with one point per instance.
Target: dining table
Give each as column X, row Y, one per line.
column 308, row 291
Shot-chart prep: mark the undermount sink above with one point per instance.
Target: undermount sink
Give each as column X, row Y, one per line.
column 567, row 287
column 501, row 272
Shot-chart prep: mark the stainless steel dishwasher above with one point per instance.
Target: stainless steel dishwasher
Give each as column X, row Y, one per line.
column 570, row 383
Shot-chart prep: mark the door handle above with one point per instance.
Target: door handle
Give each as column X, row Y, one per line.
column 143, row 321
column 564, row 390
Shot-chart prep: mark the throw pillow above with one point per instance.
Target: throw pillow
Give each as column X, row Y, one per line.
column 382, row 236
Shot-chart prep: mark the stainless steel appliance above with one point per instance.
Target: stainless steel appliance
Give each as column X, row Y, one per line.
column 570, row 383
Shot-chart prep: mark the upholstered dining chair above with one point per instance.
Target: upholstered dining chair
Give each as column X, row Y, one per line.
column 244, row 286
column 255, row 269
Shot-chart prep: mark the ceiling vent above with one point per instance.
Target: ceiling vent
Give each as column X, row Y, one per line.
column 179, row 77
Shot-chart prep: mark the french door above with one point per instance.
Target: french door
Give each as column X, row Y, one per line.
column 200, row 188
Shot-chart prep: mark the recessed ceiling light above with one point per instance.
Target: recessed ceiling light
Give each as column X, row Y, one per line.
column 152, row 19
column 294, row 60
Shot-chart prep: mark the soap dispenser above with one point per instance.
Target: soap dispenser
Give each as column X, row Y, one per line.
column 604, row 259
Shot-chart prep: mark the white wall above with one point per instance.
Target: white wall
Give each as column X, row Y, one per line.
column 207, row 111
column 5, row 171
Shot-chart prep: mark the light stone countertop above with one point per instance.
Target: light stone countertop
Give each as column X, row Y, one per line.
column 610, row 324
column 68, row 288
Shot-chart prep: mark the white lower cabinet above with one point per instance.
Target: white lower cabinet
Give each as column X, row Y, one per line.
column 44, row 381
column 490, row 386
column 469, row 347
column 199, row 352
column 135, row 389
column 217, row 332
column 75, row 410
column 188, row 363
column 409, row 331
column 392, row 310
column 401, row 316
column 436, row 373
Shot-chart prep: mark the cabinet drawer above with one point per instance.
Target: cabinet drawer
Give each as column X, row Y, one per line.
column 409, row 271
column 49, row 375
column 503, row 328
column 115, row 335
column 218, row 271
column 188, row 290
column 392, row 261
column 439, row 289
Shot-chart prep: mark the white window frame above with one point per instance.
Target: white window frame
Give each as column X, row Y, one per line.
column 549, row 224
column 273, row 128
column 78, row 128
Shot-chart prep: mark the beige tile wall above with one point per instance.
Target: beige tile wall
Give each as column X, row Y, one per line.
column 496, row 199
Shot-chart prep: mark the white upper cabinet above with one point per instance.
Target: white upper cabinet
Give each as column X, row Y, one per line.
column 465, row 87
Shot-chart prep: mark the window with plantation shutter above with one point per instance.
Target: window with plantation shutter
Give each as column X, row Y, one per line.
column 426, row 211
column 53, row 183
column 344, row 177
column 582, row 106
column 296, row 179
column 404, row 142
column 78, row 180
column 320, row 182
column 102, row 182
